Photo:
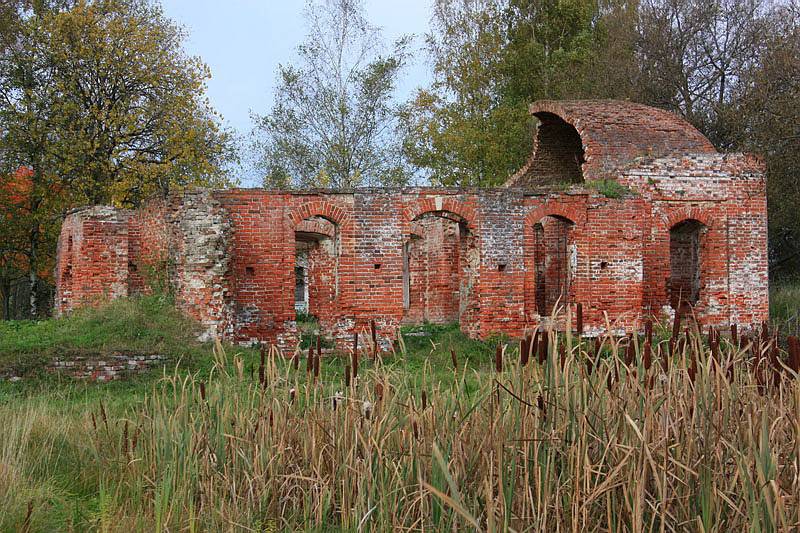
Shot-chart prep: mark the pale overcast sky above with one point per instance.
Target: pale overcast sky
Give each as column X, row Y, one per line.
column 242, row 41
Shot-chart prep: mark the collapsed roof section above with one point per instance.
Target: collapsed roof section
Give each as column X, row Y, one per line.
column 585, row 140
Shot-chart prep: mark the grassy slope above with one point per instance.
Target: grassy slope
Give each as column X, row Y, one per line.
column 148, row 325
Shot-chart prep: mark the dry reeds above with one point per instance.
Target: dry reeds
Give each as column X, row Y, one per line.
column 611, row 435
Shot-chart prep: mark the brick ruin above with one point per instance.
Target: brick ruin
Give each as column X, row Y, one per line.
column 690, row 231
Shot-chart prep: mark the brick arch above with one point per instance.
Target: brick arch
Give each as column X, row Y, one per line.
column 669, row 220
column 436, row 204
column 571, row 213
column 321, row 208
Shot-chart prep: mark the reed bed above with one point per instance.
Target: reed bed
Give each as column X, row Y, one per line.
column 558, row 434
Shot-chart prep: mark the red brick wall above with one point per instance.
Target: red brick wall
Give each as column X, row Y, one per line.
column 229, row 256
column 92, row 258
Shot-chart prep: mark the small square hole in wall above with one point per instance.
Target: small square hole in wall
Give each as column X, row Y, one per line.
column 377, row 266
column 603, row 265
column 250, row 271
column 501, row 267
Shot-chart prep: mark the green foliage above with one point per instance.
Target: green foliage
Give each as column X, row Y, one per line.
column 784, row 305
column 491, row 59
column 460, row 130
column 610, row 188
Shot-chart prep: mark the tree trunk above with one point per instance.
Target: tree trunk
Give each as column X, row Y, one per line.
column 32, row 277
column 5, row 294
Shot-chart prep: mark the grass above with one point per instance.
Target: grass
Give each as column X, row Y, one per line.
column 610, row 188
column 784, row 306
column 146, row 325
column 538, row 448
column 694, row 442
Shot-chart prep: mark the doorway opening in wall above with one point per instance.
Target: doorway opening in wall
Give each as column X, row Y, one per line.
column 552, row 256
column 440, row 265
column 684, row 262
column 316, row 273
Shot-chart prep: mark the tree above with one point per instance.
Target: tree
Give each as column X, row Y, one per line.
column 491, row 59
column 99, row 100
column 766, row 110
column 333, row 122
column 460, row 130
column 693, row 53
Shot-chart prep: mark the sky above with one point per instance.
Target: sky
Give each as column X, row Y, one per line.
column 243, row 41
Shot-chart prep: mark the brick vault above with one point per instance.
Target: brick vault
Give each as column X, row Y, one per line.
column 689, row 232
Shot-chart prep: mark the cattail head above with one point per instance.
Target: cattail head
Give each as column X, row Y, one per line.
column 347, row 376
column 454, row 359
column 379, row 390
column 543, row 347
column 541, row 405
column 424, row 400
column 794, row 354
column 498, row 358
column 374, row 332
column 524, row 350
column 579, row 318
column 630, row 350
column 203, row 390
column 262, row 366
column 676, row 323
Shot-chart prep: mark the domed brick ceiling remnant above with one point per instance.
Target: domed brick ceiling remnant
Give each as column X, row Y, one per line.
column 587, row 140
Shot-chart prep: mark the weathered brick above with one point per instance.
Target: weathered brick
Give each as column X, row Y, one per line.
column 492, row 259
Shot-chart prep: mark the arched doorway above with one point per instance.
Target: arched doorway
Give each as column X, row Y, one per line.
column 440, row 265
column 685, row 243
column 553, row 251
column 317, row 248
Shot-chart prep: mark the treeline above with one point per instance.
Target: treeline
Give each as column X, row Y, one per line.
column 730, row 67
column 99, row 103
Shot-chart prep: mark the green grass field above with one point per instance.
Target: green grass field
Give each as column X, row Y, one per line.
column 204, row 444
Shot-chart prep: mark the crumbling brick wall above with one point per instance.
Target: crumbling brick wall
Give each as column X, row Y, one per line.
column 495, row 260
column 92, row 257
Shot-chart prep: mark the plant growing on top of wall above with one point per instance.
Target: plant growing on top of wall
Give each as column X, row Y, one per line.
column 610, row 188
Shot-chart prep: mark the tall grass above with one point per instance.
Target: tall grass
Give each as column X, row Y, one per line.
column 697, row 441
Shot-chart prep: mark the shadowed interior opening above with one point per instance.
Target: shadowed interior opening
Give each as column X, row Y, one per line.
column 684, row 258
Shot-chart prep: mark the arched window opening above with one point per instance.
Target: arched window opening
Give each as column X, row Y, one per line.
column 440, row 262
column 684, row 259
column 316, row 268
column 552, row 263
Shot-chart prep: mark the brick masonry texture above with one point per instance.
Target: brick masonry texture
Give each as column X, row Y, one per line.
column 495, row 260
